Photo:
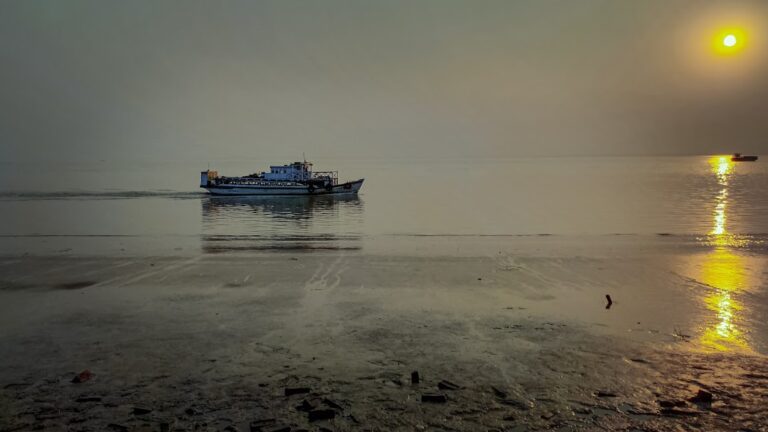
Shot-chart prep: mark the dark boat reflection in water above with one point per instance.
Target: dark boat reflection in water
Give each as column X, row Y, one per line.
column 328, row 222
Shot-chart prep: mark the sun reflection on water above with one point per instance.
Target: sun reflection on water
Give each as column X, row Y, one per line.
column 723, row 271
column 722, row 167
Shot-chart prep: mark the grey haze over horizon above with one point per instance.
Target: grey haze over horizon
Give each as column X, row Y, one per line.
column 362, row 79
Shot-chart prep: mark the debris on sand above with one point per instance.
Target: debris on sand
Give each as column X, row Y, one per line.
column 305, row 406
column 610, row 302
column 499, row 393
column 257, row 425
column 332, row 404
column 702, row 397
column 191, row 412
column 75, row 285
column 282, row 429
column 434, row 398
column 321, row 414
column 671, row 403
column 138, row 410
column 520, row 405
column 447, row 385
column 290, row 391
column 676, row 412
column 83, row 399
column 415, row 377
column 82, row 377
column 604, row 394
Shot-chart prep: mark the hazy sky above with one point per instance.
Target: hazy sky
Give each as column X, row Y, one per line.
column 359, row 79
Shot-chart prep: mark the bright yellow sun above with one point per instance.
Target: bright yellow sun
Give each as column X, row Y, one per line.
column 729, row 41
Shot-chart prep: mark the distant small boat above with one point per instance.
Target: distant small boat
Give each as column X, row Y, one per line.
column 738, row 157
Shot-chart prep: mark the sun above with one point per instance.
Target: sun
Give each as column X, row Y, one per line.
column 729, row 41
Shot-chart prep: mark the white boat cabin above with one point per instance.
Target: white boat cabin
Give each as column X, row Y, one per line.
column 296, row 171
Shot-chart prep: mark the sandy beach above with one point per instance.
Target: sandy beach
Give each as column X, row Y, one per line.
column 507, row 334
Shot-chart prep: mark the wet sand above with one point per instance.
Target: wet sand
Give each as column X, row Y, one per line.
column 514, row 334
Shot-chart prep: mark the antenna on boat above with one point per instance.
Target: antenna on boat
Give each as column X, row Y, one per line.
column 303, row 156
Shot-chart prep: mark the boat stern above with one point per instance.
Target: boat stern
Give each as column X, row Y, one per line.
column 207, row 177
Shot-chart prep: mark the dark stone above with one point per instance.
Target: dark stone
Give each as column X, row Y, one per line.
column 447, row 385
column 230, row 428
column 283, row 429
column 333, row 404
column 604, row 394
column 670, row 404
column 88, row 399
column 674, row 412
column 499, row 394
column 523, row 406
column 257, row 425
column 141, row 410
column 305, row 406
column 82, row 377
column 289, row 391
column 433, row 398
column 75, row 285
column 702, row 397
column 414, row 377
column 321, row 414
column 191, row 412
column 117, row 428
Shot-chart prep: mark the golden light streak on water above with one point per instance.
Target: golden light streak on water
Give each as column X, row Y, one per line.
column 722, row 167
column 723, row 271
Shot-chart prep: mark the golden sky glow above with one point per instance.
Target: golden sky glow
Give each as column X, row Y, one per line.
column 723, row 48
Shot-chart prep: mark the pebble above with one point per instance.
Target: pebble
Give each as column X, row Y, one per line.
column 433, row 398
column 289, row 391
column 321, row 414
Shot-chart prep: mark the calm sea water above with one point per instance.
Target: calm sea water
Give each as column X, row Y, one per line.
column 693, row 250
column 158, row 205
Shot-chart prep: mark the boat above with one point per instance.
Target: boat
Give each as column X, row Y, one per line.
column 738, row 157
column 296, row 178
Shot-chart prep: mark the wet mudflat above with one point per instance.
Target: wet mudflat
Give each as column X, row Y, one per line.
column 339, row 341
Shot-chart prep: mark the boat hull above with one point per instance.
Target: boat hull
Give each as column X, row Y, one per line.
column 241, row 190
column 744, row 159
